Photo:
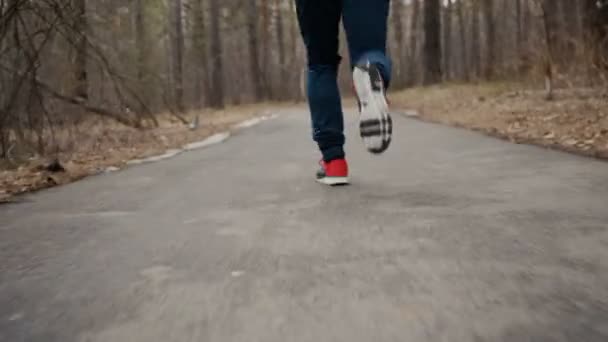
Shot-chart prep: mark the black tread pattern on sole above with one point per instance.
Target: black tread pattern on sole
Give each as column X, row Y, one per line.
column 383, row 127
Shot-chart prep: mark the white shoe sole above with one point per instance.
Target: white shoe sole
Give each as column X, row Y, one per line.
column 375, row 122
column 333, row 181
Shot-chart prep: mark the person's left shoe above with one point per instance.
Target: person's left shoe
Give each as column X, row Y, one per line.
column 333, row 173
column 375, row 123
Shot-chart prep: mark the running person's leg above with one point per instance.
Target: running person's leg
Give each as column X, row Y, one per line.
column 319, row 24
column 365, row 22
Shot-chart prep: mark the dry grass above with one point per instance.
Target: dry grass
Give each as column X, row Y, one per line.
column 93, row 146
column 575, row 121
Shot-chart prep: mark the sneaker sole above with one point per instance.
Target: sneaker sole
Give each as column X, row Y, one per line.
column 333, row 181
column 375, row 122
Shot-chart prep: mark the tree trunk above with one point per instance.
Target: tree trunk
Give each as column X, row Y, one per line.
column 413, row 44
column 526, row 26
column 199, row 37
column 518, row 28
column 254, row 63
column 217, row 69
column 178, row 53
column 141, row 42
column 280, row 49
column 571, row 23
column 397, row 14
column 265, row 53
column 475, row 40
column 595, row 22
column 504, row 47
column 464, row 58
column 81, row 86
column 296, row 76
column 554, row 38
column 488, row 14
column 447, row 40
column 432, row 41
column 547, row 8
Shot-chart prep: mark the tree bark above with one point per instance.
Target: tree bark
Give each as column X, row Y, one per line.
column 518, row 28
column 490, row 25
column 254, row 63
column 280, row 49
column 80, row 29
column 464, row 58
column 475, row 40
column 447, row 40
column 595, row 20
column 432, row 42
column 265, row 53
column 141, row 42
column 413, row 43
column 554, row 36
column 595, row 23
column 199, row 37
column 178, row 53
column 397, row 16
column 571, row 22
column 217, row 69
column 547, row 8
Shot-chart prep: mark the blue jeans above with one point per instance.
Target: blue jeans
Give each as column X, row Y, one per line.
column 365, row 23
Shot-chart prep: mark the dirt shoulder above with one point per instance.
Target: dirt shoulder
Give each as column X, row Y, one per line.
column 575, row 121
column 99, row 146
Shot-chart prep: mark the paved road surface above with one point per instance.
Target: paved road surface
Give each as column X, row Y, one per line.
column 450, row 236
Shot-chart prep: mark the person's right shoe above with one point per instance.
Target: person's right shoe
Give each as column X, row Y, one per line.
column 375, row 123
column 333, row 173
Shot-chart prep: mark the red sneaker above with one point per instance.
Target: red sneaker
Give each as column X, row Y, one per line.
column 333, row 173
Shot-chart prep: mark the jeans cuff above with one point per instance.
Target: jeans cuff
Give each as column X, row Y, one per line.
column 332, row 153
column 381, row 60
